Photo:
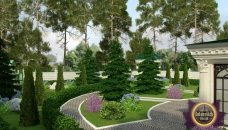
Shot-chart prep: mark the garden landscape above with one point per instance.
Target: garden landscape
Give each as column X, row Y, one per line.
column 122, row 72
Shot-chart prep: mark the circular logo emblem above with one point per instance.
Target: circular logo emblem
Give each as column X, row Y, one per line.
column 204, row 114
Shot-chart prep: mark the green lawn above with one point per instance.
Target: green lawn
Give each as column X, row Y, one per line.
column 164, row 95
column 191, row 87
column 95, row 119
column 14, row 117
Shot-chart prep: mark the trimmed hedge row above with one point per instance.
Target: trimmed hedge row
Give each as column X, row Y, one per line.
column 51, row 106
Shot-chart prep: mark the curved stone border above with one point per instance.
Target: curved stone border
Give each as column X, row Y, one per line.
column 166, row 115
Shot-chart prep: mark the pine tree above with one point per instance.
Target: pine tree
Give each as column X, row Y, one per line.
column 185, row 76
column 60, row 81
column 176, row 74
column 39, row 86
column 91, row 75
column 29, row 112
column 168, row 76
column 90, row 66
column 7, row 74
column 83, row 76
column 147, row 81
column 117, row 72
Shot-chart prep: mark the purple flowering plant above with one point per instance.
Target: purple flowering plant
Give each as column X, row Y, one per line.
column 175, row 92
column 93, row 103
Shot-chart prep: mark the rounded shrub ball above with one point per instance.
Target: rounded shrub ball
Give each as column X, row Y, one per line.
column 112, row 110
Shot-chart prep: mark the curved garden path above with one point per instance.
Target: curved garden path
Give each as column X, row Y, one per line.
column 166, row 116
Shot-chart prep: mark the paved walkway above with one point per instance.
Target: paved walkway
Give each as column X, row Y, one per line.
column 167, row 116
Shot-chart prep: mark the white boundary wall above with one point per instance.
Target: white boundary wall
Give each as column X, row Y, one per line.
column 72, row 75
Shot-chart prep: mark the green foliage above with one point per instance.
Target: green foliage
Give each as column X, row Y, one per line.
column 29, row 112
column 147, row 80
column 185, row 80
column 90, row 70
column 60, row 81
column 51, row 105
column 176, row 74
column 194, row 82
column 4, row 109
column 114, row 20
column 112, row 110
column 39, row 86
column 186, row 58
column 137, row 46
column 82, row 80
column 29, row 45
column 7, row 73
column 4, row 125
column 196, row 92
column 223, row 34
column 117, row 72
column 130, row 102
column 65, row 123
column 168, row 74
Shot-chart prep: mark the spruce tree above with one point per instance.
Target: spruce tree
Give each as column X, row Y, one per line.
column 168, row 76
column 90, row 72
column 39, row 86
column 29, row 112
column 185, row 76
column 117, row 72
column 176, row 74
column 60, row 81
column 83, row 76
column 7, row 73
column 148, row 81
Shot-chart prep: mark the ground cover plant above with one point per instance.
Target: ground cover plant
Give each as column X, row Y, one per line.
column 94, row 117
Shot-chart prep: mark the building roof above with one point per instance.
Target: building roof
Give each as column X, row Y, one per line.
column 210, row 42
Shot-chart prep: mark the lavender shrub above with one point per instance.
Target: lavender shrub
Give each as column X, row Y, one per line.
column 93, row 103
column 174, row 92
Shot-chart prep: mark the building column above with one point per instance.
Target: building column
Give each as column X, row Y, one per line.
column 205, row 81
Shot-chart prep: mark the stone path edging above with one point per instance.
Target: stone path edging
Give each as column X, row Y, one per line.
column 154, row 114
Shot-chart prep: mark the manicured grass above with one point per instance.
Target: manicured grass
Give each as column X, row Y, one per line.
column 14, row 117
column 164, row 95
column 95, row 119
column 191, row 87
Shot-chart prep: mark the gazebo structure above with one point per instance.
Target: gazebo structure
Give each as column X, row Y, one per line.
column 212, row 60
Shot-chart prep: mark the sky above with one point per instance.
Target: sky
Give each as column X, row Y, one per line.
column 95, row 36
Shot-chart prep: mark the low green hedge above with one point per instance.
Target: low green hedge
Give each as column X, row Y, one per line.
column 51, row 106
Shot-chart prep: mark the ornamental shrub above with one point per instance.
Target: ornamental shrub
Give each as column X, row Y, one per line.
column 174, row 92
column 65, row 123
column 176, row 74
column 4, row 125
column 185, row 80
column 93, row 103
column 39, row 86
column 29, row 111
column 130, row 102
column 112, row 110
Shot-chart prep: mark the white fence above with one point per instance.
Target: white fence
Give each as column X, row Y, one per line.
column 73, row 75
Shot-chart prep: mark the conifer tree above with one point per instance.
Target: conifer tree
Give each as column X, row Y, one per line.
column 148, row 81
column 7, row 73
column 176, row 74
column 168, row 76
column 185, row 76
column 29, row 112
column 39, row 86
column 117, row 72
column 60, row 81
column 83, row 76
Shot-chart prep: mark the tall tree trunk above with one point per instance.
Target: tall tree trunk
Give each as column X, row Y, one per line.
column 86, row 36
column 175, row 50
column 112, row 31
column 154, row 40
column 195, row 39
column 65, row 43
